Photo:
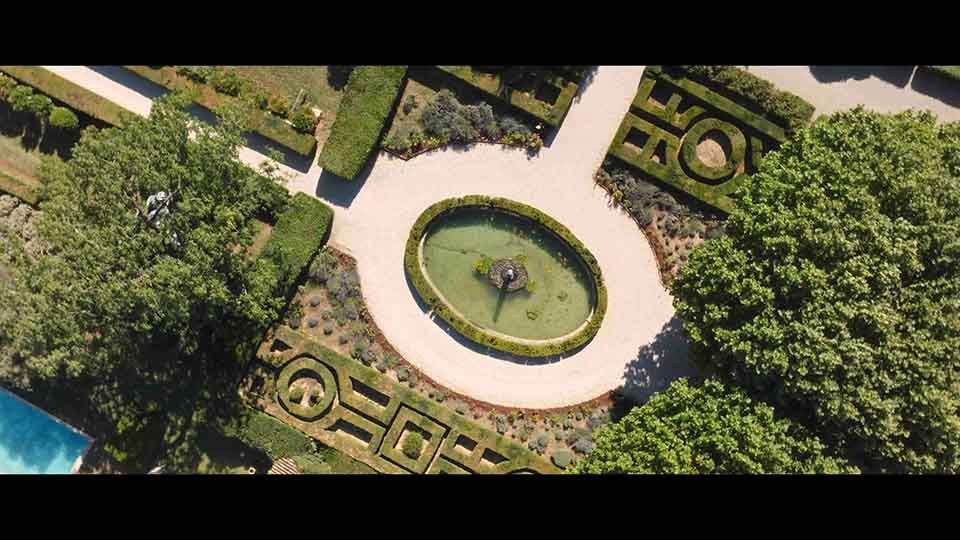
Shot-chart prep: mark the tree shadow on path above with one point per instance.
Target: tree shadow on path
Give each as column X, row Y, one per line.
column 657, row 364
column 896, row 75
column 937, row 86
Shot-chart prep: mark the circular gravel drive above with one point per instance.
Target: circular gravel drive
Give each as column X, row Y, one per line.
column 375, row 224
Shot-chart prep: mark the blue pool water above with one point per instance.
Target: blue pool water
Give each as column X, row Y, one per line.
column 33, row 442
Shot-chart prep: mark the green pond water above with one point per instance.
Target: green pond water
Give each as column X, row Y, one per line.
column 563, row 295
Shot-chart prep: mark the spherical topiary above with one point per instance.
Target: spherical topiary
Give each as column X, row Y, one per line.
column 63, row 118
column 312, row 322
column 315, row 300
column 327, row 329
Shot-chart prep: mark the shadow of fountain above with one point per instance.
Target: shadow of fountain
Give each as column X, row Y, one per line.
column 657, row 364
column 482, row 349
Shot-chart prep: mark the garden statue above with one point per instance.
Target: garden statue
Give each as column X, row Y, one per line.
column 157, row 207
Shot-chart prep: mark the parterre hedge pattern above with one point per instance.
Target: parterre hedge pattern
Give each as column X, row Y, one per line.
column 370, row 414
column 261, row 122
column 551, row 113
column 788, row 110
column 411, row 260
column 660, row 133
column 367, row 104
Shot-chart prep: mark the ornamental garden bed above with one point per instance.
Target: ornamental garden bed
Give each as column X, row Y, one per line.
column 673, row 222
column 267, row 113
column 532, row 342
column 329, row 309
column 544, row 93
column 322, row 88
column 676, row 129
column 437, row 111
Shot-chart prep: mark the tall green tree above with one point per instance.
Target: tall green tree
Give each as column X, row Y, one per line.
column 145, row 304
column 836, row 293
column 705, row 430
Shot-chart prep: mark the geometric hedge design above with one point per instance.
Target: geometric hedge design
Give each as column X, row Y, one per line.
column 667, row 120
column 365, row 414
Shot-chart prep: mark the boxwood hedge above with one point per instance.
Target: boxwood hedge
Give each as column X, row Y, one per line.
column 788, row 110
column 411, row 260
column 367, row 102
column 301, row 229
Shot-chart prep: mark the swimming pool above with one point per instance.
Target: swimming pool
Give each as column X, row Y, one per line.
column 33, row 442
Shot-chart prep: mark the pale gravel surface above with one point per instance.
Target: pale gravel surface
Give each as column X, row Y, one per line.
column 878, row 88
column 374, row 216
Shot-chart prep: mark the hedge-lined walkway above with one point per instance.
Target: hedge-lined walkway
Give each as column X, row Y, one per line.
column 878, row 88
column 374, row 216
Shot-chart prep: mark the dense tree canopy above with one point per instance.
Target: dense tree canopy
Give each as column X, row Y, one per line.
column 143, row 303
column 836, row 293
column 705, row 430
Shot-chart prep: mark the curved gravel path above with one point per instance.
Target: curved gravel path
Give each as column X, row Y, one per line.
column 374, row 215
column 558, row 182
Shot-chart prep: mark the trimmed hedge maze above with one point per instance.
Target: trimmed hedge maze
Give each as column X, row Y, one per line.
column 668, row 120
column 368, row 416
column 551, row 111
column 411, row 260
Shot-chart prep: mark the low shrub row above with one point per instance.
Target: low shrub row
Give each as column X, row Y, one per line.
column 301, row 230
column 475, row 333
column 492, row 84
column 22, row 98
column 787, row 110
column 69, row 93
column 447, row 121
column 367, row 103
column 266, row 124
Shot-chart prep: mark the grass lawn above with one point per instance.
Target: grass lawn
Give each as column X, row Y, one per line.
column 18, row 168
column 18, row 162
column 315, row 81
column 262, row 234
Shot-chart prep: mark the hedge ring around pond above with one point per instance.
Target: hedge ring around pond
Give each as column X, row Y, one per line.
column 326, row 378
column 411, row 260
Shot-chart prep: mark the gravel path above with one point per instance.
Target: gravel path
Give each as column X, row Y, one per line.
column 375, row 212
column 880, row 88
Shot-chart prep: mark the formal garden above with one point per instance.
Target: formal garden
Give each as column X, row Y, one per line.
column 187, row 309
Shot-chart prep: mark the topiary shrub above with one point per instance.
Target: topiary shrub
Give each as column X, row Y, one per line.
column 63, row 118
column 315, row 300
column 403, row 374
column 343, row 339
column 226, row 81
column 413, row 445
column 296, row 393
column 312, row 322
column 278, row 105
column 327, row 329
column 304, row 121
